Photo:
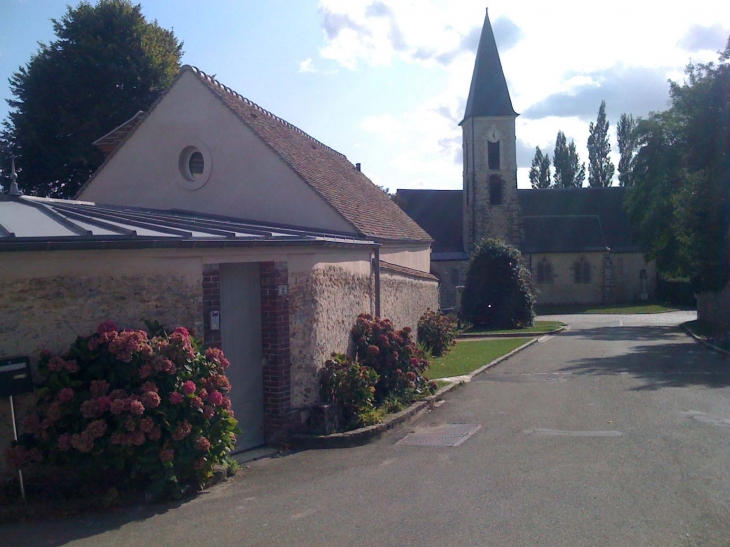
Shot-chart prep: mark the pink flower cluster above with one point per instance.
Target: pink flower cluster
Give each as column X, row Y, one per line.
column 56, row 364
column 215, row 355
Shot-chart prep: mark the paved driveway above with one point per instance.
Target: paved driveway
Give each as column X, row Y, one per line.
column 616, row 432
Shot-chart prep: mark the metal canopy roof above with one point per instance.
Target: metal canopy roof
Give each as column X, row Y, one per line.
column 31, row 223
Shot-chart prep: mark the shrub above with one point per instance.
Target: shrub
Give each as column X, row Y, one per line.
column 394, row 355
column 120, row 407
column 385, row 374
column 498, row 292
column 351, row 387
column 437, row 332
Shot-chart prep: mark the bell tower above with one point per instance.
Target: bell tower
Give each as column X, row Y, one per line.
column 490, row 204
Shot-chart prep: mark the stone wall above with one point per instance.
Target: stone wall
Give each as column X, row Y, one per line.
column 624, row 268
column 714, row 307
column 404, row 298
column 50, row 312
column 324, row 304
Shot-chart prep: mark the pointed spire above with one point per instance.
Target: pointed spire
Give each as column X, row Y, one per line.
column 488, row 94
column 14, row 190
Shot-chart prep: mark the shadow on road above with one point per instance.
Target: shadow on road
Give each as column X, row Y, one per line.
column 629, row 333
column 61, row 529
column 668, row 361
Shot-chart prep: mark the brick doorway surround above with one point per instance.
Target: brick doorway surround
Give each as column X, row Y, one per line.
column 274, row 337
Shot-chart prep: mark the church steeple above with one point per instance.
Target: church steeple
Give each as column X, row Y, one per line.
column 488, row 94
column 491, row 208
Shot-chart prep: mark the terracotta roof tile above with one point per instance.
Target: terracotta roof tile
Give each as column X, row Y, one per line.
column 325, row 170
column 109, row 142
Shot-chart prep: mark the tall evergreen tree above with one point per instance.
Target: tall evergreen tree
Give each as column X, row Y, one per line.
column 600, row 166
column 569, row 171
column 107, row 63
column 540, row 170
column 627, row 144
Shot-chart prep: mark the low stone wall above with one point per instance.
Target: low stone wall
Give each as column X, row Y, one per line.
column 324, row 304
column 404, row 297
column 714, row 307
column 50, row 312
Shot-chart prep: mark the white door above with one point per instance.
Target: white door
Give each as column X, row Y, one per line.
column 241, row 343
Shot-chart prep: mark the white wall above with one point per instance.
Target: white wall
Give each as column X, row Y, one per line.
column 247, row 179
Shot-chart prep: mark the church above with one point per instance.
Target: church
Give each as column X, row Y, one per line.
column 577, row 242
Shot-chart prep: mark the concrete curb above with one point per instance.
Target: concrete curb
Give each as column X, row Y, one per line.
column 705, row 343
column 359, row 437
column 467, row 336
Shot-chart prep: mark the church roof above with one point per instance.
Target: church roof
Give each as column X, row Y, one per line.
column 439, row 212
column 554, row 220
column 488, row 94
column 576, row 219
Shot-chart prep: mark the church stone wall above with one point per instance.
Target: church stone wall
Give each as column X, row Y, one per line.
column 626, row 274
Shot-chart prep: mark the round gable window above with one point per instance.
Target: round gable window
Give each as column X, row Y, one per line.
column 195, row 166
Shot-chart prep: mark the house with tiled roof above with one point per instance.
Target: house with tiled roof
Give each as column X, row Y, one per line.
column 213, row 213
column 577, row 242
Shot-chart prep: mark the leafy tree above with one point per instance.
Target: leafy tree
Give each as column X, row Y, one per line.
column 540, row 170
column 626, row 136
column 498, row 292
column 107, row 63
column 569, row 171
column 680, row 197
column 600, row 166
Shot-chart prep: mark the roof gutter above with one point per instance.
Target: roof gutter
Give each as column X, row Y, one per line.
column 123, row 243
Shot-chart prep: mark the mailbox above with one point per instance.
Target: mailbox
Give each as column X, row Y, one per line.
column 15, row 376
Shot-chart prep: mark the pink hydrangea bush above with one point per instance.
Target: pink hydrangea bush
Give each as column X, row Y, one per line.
column 148, row 409
column 386, row 372
column 394, row 355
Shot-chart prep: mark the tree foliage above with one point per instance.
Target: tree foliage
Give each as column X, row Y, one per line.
column 569, row 171
column 680, row 197
column 626, row 137
column 540, row 170
column 107, row 63
column 498, row 292
column 600, row 166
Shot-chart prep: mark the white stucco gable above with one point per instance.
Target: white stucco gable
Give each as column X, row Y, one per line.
column 241, row 175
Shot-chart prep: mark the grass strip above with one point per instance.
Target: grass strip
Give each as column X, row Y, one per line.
column 469, row 355
column 615, row 309
column 539, row 326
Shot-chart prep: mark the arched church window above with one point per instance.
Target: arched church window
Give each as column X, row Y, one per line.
column 493, row 154
column 544, row 271
column 582, row 271
column 586, row 272
column 495, row 190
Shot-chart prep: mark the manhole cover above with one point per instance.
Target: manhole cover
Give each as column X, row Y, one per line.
column 442, row 435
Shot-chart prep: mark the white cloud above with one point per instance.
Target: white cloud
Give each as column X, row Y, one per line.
column 560, row 58
column 307, row 65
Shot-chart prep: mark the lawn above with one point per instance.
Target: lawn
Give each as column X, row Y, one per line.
column 469, row 355
column 616, row 309
column 538, row 327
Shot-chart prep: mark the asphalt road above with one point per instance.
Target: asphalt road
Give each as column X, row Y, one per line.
column 616, row 432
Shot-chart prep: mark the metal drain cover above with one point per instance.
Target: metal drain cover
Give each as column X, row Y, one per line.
column 442, row 435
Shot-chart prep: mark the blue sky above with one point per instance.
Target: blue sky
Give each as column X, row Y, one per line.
column 385, row 81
